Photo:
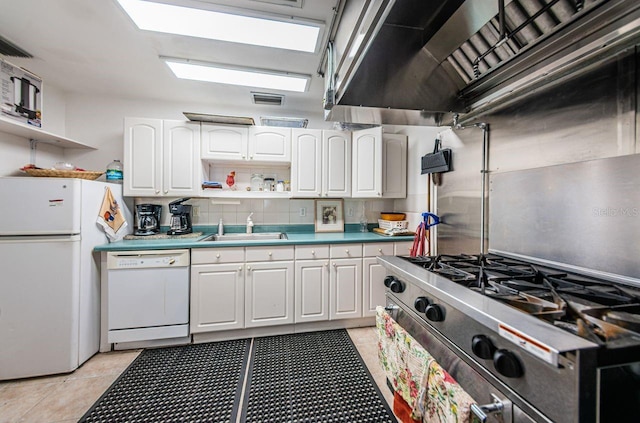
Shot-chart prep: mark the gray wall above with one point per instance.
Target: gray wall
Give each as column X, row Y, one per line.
column 591, row 114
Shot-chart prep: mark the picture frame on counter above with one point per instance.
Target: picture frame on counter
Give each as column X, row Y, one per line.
column 329, row 215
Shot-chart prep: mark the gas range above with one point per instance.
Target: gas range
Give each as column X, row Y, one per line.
column 597, row 310
column 554, row 345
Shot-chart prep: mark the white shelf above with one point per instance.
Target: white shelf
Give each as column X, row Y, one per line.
column 218, row 193
column 9, row 126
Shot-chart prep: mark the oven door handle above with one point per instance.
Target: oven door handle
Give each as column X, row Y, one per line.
column 483, row 411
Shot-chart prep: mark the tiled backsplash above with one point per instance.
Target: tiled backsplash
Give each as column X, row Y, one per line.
column 207, row 211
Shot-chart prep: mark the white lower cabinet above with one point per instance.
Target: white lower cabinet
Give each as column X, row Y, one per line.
column 345, row 281
column 217, row 289
column 311, row 283
column 269, row 286
column 236, row 288
column 217, row 297
column 373, row 277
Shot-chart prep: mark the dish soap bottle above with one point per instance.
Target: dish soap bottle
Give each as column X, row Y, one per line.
column 114, row 172
column 220, row 228
column 249, row 224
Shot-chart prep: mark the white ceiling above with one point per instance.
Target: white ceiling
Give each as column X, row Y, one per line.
column 93, row 47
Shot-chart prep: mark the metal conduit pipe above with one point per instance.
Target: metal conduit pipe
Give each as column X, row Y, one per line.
column 484, row 171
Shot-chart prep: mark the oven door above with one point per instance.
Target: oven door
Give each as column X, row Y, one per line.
column 489, row 392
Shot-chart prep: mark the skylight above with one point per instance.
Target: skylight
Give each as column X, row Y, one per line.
column 286, row 33
column 238, row 76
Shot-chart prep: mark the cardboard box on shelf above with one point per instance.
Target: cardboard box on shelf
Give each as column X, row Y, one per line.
column 21, row 94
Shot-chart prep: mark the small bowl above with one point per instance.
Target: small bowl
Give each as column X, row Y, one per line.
column 64, row 166
column 392, row 216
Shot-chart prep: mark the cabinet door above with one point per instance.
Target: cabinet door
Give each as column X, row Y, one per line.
column 367, row 163
column 224, row 142
column 142, row 174
column 336, row 159
column 394, row 166
column 306, row 165
column 345, row 289
column 373, row 286
column 270, row 144
column 269, row 294
column 311, row 290
column 217, row 297
column 181, row 158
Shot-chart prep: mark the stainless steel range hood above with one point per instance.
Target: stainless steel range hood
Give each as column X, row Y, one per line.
column 414, row 62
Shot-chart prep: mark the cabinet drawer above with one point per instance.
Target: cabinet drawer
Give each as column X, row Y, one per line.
column 310, row 252
column 378, row 249
column 402, row 248
column 269, row 253
column 346, row 250
column 217, row 255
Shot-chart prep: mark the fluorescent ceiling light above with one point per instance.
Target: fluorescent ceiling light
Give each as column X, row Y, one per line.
column 237, row 76
column 266, row 32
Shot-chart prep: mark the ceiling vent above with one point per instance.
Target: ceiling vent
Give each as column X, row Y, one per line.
column 284, row 122
column 7, row 48
column 267, row 99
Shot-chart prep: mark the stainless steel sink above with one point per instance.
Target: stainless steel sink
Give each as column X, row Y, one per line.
column 260, row 236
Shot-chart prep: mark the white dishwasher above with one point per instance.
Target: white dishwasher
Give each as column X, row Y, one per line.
column 147, row 296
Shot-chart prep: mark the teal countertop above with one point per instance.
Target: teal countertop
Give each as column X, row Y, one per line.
column 298, row 235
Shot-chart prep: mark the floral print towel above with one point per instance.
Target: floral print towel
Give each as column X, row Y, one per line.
column 443, row 400
column 429, row 391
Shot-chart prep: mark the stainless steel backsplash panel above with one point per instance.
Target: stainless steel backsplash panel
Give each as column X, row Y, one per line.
column 582, row 215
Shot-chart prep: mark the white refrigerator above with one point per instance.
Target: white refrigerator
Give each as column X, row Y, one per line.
column 49, row 275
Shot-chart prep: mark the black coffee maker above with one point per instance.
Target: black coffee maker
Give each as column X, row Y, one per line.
column 180, row 222
column 148, row 219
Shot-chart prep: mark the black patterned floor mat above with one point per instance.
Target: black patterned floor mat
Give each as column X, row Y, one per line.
column 314, row 377
column 193, row 383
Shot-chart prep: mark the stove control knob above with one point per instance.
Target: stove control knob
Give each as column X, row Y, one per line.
column 435, row 312
column 388, row 280
column 482, row 346
column 394, row 284
column 507, row 364
column 421, row 304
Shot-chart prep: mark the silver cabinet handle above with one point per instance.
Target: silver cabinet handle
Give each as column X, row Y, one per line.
column 335, row 265
column 326, row 264
column 166, row 191
column 346, row 251
column 218, row 255
column 313, row 253
column 157, row 191
column 379, row 250
column 483, row 411
column 270, row 254
column 248, row 267
column 240, row 269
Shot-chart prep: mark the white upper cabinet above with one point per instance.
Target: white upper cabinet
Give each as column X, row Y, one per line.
column 367, row 163
column 336, row 156
column 160, row 157
column 321, row 163
column 224, row 142
column 232, row 143
column 270, row 144
column 394, row 166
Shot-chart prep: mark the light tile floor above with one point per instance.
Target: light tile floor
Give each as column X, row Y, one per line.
column 65, row 398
